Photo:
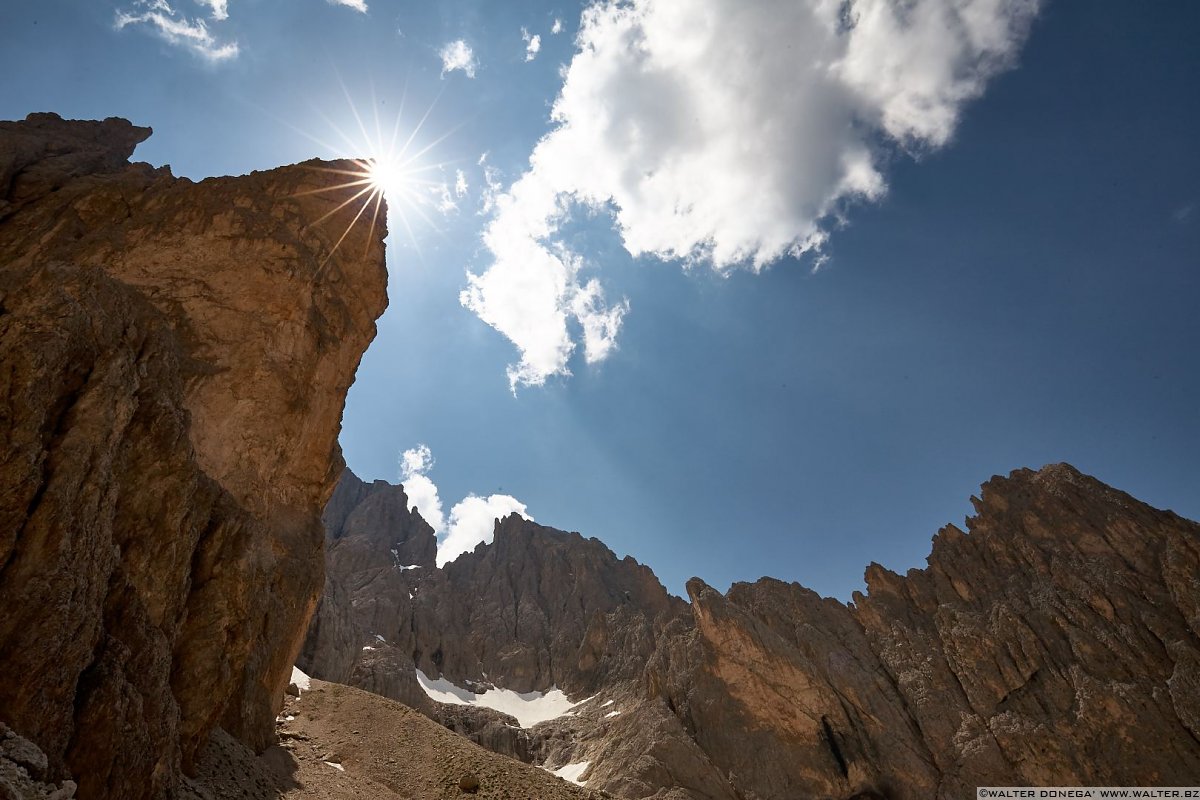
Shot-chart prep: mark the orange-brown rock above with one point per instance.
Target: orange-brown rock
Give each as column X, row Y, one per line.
column 174, row 358
column 1055, row 642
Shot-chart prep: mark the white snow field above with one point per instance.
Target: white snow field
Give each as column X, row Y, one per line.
column 529, row 708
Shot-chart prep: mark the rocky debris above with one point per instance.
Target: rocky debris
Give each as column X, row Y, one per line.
column 23, row 768
column 488, row 728
column 1055, row 641
column 339, row 742
column 174, row 358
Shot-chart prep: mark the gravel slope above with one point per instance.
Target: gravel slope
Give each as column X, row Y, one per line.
column 385, row 750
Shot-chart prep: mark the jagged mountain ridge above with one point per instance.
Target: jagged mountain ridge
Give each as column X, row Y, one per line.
column 1055, row 642
column 173, row 362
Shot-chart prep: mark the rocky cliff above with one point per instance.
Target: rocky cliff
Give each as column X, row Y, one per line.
column 1055, row 641
column 174, row 358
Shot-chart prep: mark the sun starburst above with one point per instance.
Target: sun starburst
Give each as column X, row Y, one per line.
column 383, row 168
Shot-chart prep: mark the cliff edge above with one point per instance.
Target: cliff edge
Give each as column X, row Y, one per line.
column 174, row 360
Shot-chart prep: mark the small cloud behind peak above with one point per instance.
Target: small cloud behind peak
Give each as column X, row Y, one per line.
column 472, row 520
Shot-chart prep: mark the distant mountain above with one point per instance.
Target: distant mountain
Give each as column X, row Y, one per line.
column 1056, row 641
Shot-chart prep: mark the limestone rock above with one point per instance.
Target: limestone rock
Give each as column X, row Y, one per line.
column 1052, row 642
column 1049, row 644
column 174, row 359
column 23, row 770
column 537, row 608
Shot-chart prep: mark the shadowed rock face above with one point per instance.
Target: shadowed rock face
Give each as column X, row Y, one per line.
column 535, row 609
column 1057, row 641
column 174, row 359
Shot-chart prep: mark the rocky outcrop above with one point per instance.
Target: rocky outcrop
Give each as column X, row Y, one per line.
column 1055, row 641
column 375, row 543
column 174, row 359
column 536, row 609
column 1052, row 643
column 23, row 766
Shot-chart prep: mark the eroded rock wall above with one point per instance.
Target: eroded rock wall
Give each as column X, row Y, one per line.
column 174, row 358
column 535, row 609
column 1052, row 642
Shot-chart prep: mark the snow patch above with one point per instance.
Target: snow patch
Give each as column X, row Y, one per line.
column 611, row 714
column 380, row 638
column 302, row 681
column 609, row 703
column 529, row 708
column 402, row 567
column 336, row 766
column 571, row 772
column 367, row 647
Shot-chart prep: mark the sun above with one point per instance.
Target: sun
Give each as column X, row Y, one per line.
column 387, row 176
column 396, row 168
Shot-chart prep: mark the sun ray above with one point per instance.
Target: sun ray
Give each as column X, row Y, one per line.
column 388, row 163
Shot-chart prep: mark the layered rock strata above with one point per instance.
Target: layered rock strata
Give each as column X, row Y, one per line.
column 174, row 358
column 1055, row 641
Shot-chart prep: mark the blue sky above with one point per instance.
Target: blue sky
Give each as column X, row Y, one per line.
column 873, row 263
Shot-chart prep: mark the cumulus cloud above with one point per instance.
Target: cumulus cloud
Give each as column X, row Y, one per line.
column 457, row 55
column 472, row 520
column 557, row 27
column 421, row 491
column 532, row 44
column 220, row 8
column 179, row 29
column 724, row 133
column 460, row 183
column 357, row 5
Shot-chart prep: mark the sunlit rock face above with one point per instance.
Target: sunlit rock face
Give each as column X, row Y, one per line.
column 174, row 358
column 1053, row 642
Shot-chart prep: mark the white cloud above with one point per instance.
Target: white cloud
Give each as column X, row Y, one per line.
column 460, row 183
column 444, row 201
column 220, row 8
column 724, row 133
column 423, row 496
column 421, row 491
column 473, row 521
column 532, row 44
column 493, row 188
column 557, row 27
column 532, row 290
column 416, row 461
column 457, row 55
column 178, row 29
column 357, row 5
